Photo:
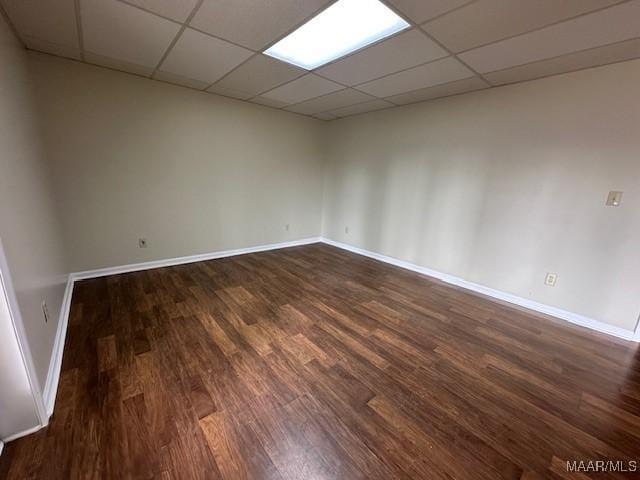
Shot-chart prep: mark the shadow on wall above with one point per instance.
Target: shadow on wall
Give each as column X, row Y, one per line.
column 494, row 210
column 423, row 210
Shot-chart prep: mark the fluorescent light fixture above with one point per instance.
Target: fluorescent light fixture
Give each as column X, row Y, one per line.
column 344, row 27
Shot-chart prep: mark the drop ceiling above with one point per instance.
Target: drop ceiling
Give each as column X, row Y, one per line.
column 452, row 47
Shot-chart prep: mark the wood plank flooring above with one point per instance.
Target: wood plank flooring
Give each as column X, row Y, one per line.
column 315, row 363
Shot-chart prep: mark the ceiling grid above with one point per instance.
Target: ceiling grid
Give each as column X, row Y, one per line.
column 450, row 47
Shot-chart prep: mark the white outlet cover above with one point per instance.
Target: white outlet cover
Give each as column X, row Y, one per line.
column 550, row 279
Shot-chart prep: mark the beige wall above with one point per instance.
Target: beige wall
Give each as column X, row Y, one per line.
column 189, row 171
column 496, row 187
column 500, row 187
column 29, row 224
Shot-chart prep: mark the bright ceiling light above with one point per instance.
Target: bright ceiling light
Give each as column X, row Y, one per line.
column 344, row 27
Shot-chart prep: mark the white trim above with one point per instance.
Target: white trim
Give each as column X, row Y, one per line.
column 55, row 364
column 23, row 433
column 490, row 292
column 136, row 267
column 1, row 446
column 18, row 325
column 53, row 376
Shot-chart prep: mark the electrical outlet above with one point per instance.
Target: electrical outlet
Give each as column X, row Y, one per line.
column 346, row 230
column 45, row 311
column 614, row 199
column 142, row 243
column 551, row 279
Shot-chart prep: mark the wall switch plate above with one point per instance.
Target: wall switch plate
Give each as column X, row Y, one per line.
column 551, row 279
column 286, row 227
column 142, row 243
column 45, row 311
column 346, row 230
column 614, row 199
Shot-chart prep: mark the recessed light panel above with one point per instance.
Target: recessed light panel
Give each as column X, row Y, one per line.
column 344, row 27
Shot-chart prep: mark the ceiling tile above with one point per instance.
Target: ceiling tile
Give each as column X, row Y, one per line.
column 259, row 74
column 444, row 90
column 616, row 52
column 180, row 80
column 343, row 98
column 229, row 92
column 486, row 21
column 254, row 24
column 422, row 10
column 324, row 116
column 118, row 64
column 362, row 108
column 202, row 57
column 53, row 21
column 397, row 53
column 302, row 89
column 614, row 24
column 49, row 47
column 269, row 102
column 115, row 30
column 177, row 10
column 441, row 71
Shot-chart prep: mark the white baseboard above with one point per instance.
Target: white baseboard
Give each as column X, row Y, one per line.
column 53, row 375
column 136, row 267
column 497, row 294
column 23, row 433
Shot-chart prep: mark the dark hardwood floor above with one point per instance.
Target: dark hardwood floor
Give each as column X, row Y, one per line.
column 314, row 363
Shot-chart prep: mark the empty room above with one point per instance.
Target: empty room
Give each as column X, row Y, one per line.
column 319, row 239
